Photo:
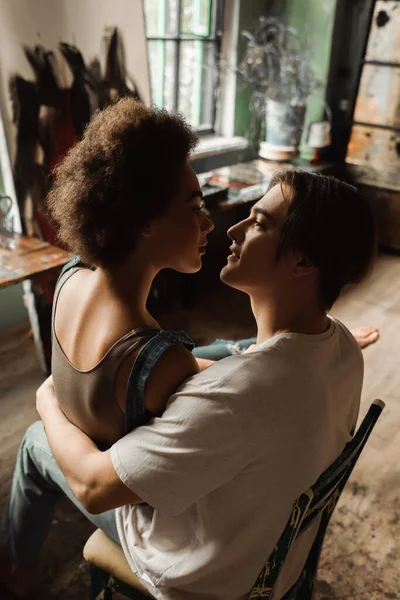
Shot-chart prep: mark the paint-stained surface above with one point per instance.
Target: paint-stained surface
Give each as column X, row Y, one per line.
column 28, row 258
column 375, row 153
column 384, row 38
column 378, row 101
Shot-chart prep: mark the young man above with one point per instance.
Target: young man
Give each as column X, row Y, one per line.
column 199, row 497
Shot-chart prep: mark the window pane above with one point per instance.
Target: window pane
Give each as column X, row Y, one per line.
column 172, row 17
column 155, row 50
column 170, row 75
column 192, row 89
column 195, row 16
column 154, row 12
column 209, row 85
column 190, row 81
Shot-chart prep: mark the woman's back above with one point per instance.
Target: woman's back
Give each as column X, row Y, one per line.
column 92, row 338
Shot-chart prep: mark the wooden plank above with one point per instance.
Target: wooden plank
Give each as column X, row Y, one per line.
column 378, row 100
column 384, row 37
column 28, row 258
column 375, row 156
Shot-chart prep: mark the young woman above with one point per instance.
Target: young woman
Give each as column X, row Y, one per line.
column 127, row 202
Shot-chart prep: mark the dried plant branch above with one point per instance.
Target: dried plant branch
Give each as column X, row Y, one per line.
column 276, row 65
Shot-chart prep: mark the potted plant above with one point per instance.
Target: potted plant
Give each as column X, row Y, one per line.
column 276, row 65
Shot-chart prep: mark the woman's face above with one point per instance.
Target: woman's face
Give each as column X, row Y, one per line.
column 180, row 235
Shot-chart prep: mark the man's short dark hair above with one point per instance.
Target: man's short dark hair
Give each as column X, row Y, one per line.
column 124, row 172
column 331, row 223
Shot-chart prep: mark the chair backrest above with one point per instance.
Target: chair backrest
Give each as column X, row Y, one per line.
column 320, row 499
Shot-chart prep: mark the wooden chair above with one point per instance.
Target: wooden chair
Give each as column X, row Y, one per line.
column 110, row 570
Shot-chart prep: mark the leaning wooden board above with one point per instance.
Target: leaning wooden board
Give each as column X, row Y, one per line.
column 378, row 100
column 373, row 153
column 384, row 37
column 373, row 156
column 29, row 257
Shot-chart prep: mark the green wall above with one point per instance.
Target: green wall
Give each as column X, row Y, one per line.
column 248, row 20
column 249, row 14
column 314, row 21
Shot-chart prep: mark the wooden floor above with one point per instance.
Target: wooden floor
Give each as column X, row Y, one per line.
column 361, row 558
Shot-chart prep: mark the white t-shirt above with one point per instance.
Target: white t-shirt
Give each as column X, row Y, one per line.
column 220, row 470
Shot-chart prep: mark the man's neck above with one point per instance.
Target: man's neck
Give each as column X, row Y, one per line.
column 273, row 318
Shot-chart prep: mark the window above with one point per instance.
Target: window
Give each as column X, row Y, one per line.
column 183, row 38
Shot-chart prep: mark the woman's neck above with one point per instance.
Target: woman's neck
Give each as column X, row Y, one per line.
column 129, row 283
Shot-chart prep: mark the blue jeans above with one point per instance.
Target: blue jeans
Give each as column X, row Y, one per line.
column 38, row 485
column 223, row 348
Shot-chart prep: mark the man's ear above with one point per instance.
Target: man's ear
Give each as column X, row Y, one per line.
column 303, row 267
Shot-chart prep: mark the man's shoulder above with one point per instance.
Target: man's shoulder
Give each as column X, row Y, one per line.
column 279, row 363
column 234, row 376
column 349, row 346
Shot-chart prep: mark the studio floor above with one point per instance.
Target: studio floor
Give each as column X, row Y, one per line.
column 361, row 557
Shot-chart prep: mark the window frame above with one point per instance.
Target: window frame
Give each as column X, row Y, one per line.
column 216, row 16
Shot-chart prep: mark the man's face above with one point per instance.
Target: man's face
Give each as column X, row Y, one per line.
column 253, row 265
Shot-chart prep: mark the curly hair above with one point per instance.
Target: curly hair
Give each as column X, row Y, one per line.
column 123, row 172
column 330, row 222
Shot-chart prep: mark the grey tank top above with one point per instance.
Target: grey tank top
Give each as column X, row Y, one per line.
column 88, row 397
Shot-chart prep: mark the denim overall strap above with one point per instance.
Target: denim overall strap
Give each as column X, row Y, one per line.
column 135, row 411
column 75, row 262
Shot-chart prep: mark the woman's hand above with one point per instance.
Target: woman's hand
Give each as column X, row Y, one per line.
column 46, row 397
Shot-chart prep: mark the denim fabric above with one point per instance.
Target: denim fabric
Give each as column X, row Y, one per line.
column 223, row 348
column 135, row 411
column 75, row 262
column 38, row 485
